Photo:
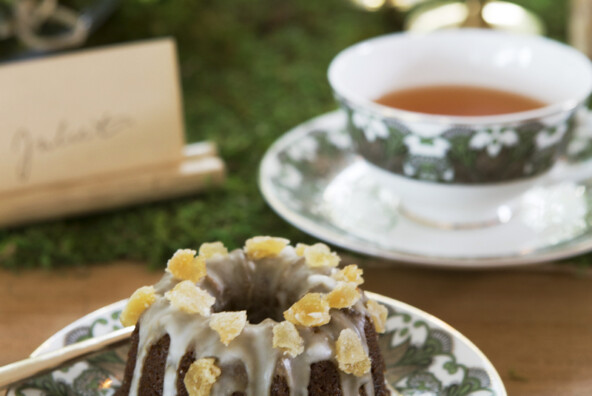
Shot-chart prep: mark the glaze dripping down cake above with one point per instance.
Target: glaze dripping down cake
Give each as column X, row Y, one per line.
column 268, row 319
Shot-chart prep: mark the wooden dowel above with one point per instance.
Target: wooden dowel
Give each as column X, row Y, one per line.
column 199, row 169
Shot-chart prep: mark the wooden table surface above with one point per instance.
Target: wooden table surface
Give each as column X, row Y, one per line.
column 535, row 324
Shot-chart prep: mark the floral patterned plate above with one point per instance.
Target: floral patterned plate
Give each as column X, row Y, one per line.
column 423, row 355
column 312, row 178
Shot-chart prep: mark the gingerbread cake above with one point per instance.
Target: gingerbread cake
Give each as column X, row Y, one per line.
column 268, row 319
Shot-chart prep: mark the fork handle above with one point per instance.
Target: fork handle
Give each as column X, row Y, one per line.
column 20, row 370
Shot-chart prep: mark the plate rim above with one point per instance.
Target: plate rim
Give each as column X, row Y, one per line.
column 434, row 321
column 526, row 258
column 45, row 346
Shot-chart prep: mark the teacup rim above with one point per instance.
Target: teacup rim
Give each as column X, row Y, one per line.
column 550, row 110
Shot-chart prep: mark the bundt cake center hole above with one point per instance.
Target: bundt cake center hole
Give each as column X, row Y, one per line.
column 259, row 308
column 265, row 289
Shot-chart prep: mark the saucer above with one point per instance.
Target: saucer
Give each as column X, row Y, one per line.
column 313, row 179
column 423, row 355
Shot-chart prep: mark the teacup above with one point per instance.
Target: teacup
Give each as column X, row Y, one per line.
column 460, row 171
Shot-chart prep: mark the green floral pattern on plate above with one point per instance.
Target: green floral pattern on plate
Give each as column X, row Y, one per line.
column 423, row 356
column 96, row 375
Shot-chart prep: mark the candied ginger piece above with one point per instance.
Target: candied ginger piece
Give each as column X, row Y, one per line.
column 311, row 310
column 213, row 249
column 137, row 304
column 378, row 313
column 300, row 247
column 319, row 255
column 264, row 246
column 344, row 295
column 185, row 266
column 201, row 376
column 350, row 353
column 287, row 338
column 228, row 325
column 189, row 298
column 350, row 273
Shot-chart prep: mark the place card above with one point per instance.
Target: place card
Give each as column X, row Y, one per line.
column 93, row 112
column 95, row 130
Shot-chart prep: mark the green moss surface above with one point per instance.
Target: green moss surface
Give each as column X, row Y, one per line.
column 250, row 71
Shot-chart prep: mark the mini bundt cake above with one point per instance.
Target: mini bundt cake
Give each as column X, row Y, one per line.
column 268, row 319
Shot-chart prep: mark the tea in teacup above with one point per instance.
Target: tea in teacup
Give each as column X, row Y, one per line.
column 459, row 100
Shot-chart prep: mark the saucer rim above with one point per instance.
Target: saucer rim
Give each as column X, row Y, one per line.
column 579, row 245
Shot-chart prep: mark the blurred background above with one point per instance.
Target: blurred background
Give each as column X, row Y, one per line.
column 249, row 71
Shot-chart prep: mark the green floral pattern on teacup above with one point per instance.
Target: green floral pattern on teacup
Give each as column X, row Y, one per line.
column 580, row 145
column 493, row 140
column 458, row 154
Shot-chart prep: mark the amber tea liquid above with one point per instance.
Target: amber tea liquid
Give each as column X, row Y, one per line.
column 459, row 100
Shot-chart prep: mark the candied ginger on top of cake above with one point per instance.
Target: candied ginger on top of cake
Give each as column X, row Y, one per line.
column 189, row 298
column 344, row 295
column 213, row 249
column 350, row 273
column 228, row 325
column 264, row 246
column 185, row 266
column 299, row 249
column 312, row 310
column 319, row 255
column 351, row 356
column 287, row 339
column 137, row 304
column 201, row 376
column 379, row 313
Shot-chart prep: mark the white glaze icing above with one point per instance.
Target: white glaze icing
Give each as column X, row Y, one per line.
column 266, row 287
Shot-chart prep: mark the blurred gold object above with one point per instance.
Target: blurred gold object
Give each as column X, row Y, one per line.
column 404, row 5
column 399, row 5
column 369, row 5
column 580, row 25
column 429, row 15
column 474, row 13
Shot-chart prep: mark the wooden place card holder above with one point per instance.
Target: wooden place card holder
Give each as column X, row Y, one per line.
column 96, row 130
